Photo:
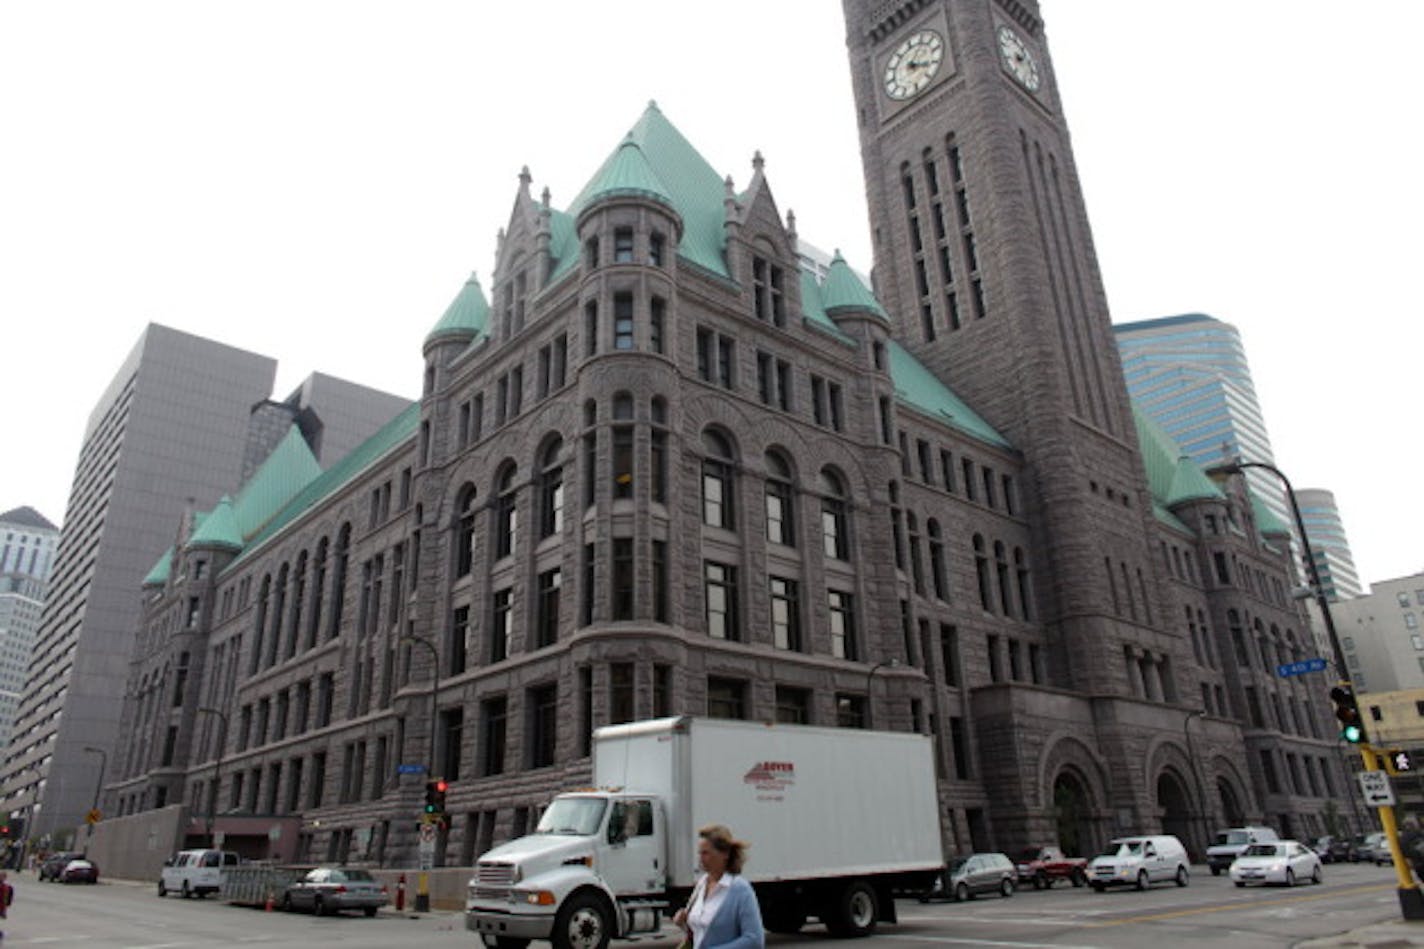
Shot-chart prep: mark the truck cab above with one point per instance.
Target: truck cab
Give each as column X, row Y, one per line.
column 594, row 868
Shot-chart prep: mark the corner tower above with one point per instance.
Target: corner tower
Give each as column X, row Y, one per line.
column 984, row 259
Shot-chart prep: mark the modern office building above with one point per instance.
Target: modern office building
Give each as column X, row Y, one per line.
column 171, row 429
column 27, row 545
column 1190, row 374
column 1381, row 636
column 1334, row 563
column 664, row 469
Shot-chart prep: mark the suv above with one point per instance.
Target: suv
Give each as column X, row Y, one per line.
column 1232, row 843
column 977, row 873
column 1139, row 862
column 195, row 872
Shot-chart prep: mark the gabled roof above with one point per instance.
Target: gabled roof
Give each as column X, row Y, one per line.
column 1172, row 476
column 844, row 293
column 627, row 174
column 692, row 188
column 218, row 529
column 27, row 517
column 159, row 574
column 467, row 315
column 289, row 468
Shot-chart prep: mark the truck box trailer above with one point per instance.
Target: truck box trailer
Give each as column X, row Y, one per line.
column 838, row 821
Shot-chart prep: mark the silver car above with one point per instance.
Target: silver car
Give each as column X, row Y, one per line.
column 966, row 877
column 333, row 889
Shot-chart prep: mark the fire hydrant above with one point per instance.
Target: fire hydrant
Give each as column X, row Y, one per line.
column 400, row 893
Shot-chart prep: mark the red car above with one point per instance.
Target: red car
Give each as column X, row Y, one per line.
column 79, row 871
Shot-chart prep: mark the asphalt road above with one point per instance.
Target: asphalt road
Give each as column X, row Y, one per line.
column 1209, row 912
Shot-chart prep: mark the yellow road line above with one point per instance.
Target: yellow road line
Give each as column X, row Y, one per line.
column 1240, row 904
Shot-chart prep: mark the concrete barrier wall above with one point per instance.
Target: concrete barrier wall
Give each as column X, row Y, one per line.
column 447, row 886
column 134, row 847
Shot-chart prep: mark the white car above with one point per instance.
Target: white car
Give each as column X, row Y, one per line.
column 1287, row 862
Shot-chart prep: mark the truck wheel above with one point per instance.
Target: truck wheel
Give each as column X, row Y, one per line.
column 1079, row 878
column 503, row 942
column 854, row 912
column 1216, row 871
column 787, row 920
column 162, row 890
column 582, row 923
column 187, row 893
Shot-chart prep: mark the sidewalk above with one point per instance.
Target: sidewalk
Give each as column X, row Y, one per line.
column 1387, row 935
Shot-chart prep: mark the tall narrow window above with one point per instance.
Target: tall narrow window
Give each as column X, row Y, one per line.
column 551, row 489
column 465, row 531
column 459, row 635
column 590, row 253
column 623, row 245
column 506, row 517
column 590, row 327
column 720, row 581
column 780, row 506
column 589, row 585
column 660, row 581
column 657, row 325
column 842, row 618
column 939, row 575
column 657, row 448
column 718, row 483
column 1025, row 593
column 622, row 457
column 835, row 531
column 499, row 626
column 981, row 568
column 549, row 587
column 495, row 713
column 623, row 579
column 657, row 244
column 622, row 321
column 621, row 693
column 1001, row 571
column 785, row 613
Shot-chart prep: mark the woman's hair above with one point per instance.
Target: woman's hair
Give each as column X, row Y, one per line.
column 721, row 839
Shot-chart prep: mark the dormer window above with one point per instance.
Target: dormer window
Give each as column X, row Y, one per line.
column 623, row 245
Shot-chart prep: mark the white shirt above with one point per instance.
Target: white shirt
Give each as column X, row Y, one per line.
column 704, row 907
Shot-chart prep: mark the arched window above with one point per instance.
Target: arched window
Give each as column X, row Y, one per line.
column 318, row 592
column 1001, row 570
column 506, row 518
column 551, row 489
column 299, row 594
column 981, row 567
column 917, row 571
column 338, row 580
column 264, row 593
column 622, row 456
column 718, row 481
column 780, row 501
column 465, row 530
column 279, row 606
column 1025, row 594
column 835, row 527
column 938, row 575
column 658, row 450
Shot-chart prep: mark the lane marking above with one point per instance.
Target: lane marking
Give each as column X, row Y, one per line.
column 951, row 940
column 1238, row 905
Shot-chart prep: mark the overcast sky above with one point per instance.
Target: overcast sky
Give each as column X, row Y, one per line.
column 315, row 180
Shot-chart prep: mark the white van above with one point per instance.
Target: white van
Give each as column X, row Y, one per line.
column 1139, row 862
column 1232, row 843
column 195, row 872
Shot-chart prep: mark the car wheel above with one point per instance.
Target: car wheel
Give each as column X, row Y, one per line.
column 1216, row 871
column 286, row 902
column 1316, row 877
column 961, row 892
column 1142, row 879
column 1240, row 883
column 1098, row 888
column 1182, row 878
column 187, row 893
column 582, row 923
column 1290, row 877
column 318, row 906
column 162, row 890
column 1006, row 887
column 1079, row 878
column 369, row 910
column 1041, row 882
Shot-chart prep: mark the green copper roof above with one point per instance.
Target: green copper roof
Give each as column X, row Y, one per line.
column 1266, row 520
column 843, row 292
column 916, row 386
column 1168, row 518
column 693, row 189
column 1171, row 475
column 626, row 174
column 393, row 433
column 218, row 529
column 467, row 315
column 814, row 310
column 158, row 576
column 289, row 468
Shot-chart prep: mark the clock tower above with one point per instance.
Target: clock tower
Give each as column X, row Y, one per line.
column 984, row 259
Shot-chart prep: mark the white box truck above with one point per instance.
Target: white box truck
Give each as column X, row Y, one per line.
column 838, row 820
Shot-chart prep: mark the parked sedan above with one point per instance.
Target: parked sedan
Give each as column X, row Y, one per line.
column 333, row 889
column 79, row 871
column 1372, row 848
column 51, row 866
column 1333, row 849
column 1284, row 861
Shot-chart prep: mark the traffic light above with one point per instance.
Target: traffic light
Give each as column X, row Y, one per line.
column 1397, row 761
column 1347, row 710
column 435, row 790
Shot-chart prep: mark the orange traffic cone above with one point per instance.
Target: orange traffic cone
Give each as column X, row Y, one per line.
column 267, row 907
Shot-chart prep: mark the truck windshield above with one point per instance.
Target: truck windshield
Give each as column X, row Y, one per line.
column 1232, row 838
column 580, row 816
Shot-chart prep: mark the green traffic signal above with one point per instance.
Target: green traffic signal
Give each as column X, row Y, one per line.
column 1353, row 734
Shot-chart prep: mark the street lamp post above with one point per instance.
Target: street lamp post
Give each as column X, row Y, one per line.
column 422, row 892
column 98, row 785
column 1205, row 814
column 1411, row 900
column 882, row 664
column 217, row 771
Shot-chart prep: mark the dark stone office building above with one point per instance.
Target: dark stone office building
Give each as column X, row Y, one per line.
column 664, row 468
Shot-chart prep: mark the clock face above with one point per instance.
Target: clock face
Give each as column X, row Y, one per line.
column 913, row 64
column 1018, row 59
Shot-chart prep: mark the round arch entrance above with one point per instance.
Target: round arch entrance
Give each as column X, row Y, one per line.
column 1174, row 804
column 1072, row 810
column 1230, row 804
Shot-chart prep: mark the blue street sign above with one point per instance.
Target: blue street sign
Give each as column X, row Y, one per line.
column 1301, row 668
column 410, row 769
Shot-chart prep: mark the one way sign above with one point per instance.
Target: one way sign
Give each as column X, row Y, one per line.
column 1375, row 786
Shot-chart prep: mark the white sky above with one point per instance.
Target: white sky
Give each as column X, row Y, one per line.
column 314, row 181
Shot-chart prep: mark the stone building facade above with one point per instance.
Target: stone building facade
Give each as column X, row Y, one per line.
column 665, row 469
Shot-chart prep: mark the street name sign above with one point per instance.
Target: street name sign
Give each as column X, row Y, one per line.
column 1375, row 786
column 1289, row 669
column 410, row 769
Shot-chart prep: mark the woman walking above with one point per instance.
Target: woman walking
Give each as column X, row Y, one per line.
column 723, row 912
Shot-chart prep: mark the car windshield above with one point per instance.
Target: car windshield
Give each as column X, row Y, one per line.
column 580, row 816
column 1122, row 848
column 1263, row 850
column 1232, row 837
